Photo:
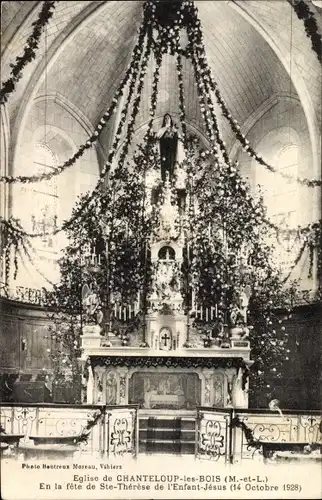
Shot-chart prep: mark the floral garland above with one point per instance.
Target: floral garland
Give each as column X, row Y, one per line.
column 14, row 243
column 83, row 437
column 29, row 52
column 181, row 98
column 130, row 74
column 207, row 83
column 303, row 12
column 251, row 441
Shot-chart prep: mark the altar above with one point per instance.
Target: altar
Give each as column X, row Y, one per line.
column 165, row 362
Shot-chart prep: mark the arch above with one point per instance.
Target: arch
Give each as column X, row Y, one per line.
column 297, row 81
column 281, row 198
column 57, row 47
column 167, row 253
column 257, row 115
column 4, row 151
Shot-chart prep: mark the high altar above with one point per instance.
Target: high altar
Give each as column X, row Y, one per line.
column 167, row 363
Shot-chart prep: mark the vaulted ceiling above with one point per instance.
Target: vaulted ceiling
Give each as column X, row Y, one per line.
column 88, row 44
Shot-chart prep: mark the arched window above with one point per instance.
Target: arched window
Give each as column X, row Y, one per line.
column 281, row 196
column 281, row 148
column 167, row 253
column 45, row 197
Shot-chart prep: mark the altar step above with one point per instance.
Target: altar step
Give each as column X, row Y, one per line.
column 167, row 435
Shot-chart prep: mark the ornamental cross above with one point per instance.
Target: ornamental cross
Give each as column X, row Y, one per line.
column 164, row 340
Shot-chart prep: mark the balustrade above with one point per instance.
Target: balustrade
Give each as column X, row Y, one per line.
column 24, row 294
column 114, row 432
column 228, row 435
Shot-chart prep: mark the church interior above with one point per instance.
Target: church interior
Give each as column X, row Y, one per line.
column 161, row 207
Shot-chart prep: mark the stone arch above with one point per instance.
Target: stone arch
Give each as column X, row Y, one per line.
column 297, row 81
column 58, row 46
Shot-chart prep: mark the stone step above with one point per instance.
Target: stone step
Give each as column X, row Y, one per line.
column 182, row 423
column 167, row 434
column 167, row 447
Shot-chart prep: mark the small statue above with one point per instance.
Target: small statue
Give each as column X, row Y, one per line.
column 91, row 305
column 238, row 314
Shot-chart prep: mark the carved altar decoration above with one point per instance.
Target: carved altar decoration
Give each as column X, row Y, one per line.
column 165, row 389
column 99, row 375
column 218, row 387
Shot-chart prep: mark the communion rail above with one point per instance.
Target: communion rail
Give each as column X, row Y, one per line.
column 97, row 431
column 232, row 436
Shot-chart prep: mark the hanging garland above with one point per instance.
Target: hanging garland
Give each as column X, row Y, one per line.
column 29, row 52
column 249, row 435
column 13, row 244
column 130, row 74
column 83, row 437
column 207, row 83
column 304, row 13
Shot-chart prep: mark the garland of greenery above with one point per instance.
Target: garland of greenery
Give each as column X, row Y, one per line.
column 251, row 441
column 206, row 83
column 182, row 15
column 29, row 52
column 304, row 13
column 83, row 437
column 130, row 75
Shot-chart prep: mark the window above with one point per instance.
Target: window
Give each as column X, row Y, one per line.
column 45, row 197
column 167, row 253
column 280, row 148
column 282, row 197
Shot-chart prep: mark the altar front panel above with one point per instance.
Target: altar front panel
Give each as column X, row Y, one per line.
column 165, row 389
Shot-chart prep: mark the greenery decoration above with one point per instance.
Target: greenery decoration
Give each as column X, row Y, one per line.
column 129, row 76
column 251, row 441
column 206, row 84
column 83, row 437
column 304, row 13
column 29, row 52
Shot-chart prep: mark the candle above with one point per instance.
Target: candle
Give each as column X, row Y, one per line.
column 193, row 300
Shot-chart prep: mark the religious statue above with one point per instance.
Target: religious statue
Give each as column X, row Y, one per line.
column 111, row 388
column 171, row 148
column 91, row 305
column 238, row 314
column 169, row 216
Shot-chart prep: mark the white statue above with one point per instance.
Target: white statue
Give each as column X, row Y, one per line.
column 169, row 216
column 91, row 305
column 243, row 301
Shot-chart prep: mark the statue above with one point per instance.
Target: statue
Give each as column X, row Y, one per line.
column 169, row 216
column 111, row 388
column 171, row 150
column 243, row 301
column 91, row 305
column 238, row 313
